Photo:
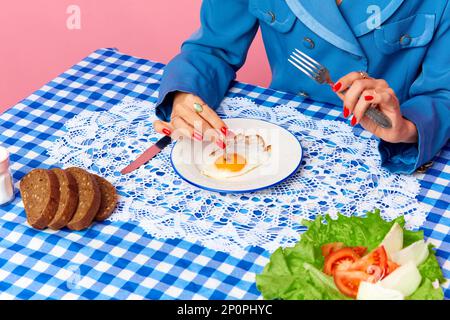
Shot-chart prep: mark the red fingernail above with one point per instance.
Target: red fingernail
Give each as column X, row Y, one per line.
column 353, row 121
column 337, row 86
column 197, row 136
column 221, row 144
column 346, row 112
column 224, row 131
column 166, row 132
column 368, row 98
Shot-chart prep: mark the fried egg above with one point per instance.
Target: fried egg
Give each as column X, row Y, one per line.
column 243, row 154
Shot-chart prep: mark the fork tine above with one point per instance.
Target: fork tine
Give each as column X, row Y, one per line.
column 302, row 70
column 309, row 58
column 304, row 62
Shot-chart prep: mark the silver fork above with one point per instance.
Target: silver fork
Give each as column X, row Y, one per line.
column 321, row 75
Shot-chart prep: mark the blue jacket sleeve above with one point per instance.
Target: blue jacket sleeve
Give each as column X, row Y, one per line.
column 210, row 58
column 428, row 108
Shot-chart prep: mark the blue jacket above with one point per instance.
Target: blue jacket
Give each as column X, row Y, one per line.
column 407, row 44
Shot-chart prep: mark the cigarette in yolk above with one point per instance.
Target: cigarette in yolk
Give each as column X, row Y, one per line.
column 233, row 162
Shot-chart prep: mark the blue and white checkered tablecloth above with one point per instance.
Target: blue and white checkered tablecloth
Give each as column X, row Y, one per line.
column 118, row 260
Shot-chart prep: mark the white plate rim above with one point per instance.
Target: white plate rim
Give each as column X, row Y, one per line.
column 241, row 190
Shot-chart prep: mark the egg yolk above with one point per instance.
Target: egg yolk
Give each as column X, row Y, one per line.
column 232, row 162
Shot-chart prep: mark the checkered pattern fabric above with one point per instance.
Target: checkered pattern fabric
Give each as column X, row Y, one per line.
column 118, row 260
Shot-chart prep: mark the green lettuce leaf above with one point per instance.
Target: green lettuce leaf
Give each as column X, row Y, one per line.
column 430, row 269
column 291, row 277
column 426, row 291
column 409, row 237
column 296, row 273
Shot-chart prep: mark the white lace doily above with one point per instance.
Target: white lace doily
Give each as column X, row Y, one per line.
column 340, row 173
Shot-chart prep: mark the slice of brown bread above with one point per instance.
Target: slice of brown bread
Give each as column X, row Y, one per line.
column 40, row 195
column 89, row 199
column 109, row 198
column 68, row 199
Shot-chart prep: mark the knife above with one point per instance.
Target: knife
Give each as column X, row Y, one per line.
column 147, row 155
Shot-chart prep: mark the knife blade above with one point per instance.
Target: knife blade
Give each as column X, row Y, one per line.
column 147, row 155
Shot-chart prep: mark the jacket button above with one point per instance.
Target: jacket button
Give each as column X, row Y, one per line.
column 308, row 43
column 405, row 40
column 272, row 16
column 303, row 94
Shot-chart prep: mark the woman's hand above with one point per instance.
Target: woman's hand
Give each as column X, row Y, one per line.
column 192, row 118
column 361, row 93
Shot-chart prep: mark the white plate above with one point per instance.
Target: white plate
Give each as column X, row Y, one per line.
column 284, row 161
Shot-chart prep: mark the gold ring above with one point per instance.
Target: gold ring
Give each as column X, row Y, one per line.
column 363, row 75
column 198, row 107
column 425, row 167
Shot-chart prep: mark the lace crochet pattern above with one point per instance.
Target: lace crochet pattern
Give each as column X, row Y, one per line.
column 340, row 172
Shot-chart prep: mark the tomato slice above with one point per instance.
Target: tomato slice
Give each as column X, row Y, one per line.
column 341, row 259
column 348, row 281
column 360, row 251
column 375, row 264
column 334, row 246
column 349, row 268
column 391, row 266
column 331, row 247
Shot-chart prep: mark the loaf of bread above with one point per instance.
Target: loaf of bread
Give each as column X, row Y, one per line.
column 40, row 194
column 68, row 199
column 108, row 198
column 89, row 199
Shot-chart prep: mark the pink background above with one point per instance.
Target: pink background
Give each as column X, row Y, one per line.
column 36, row 44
